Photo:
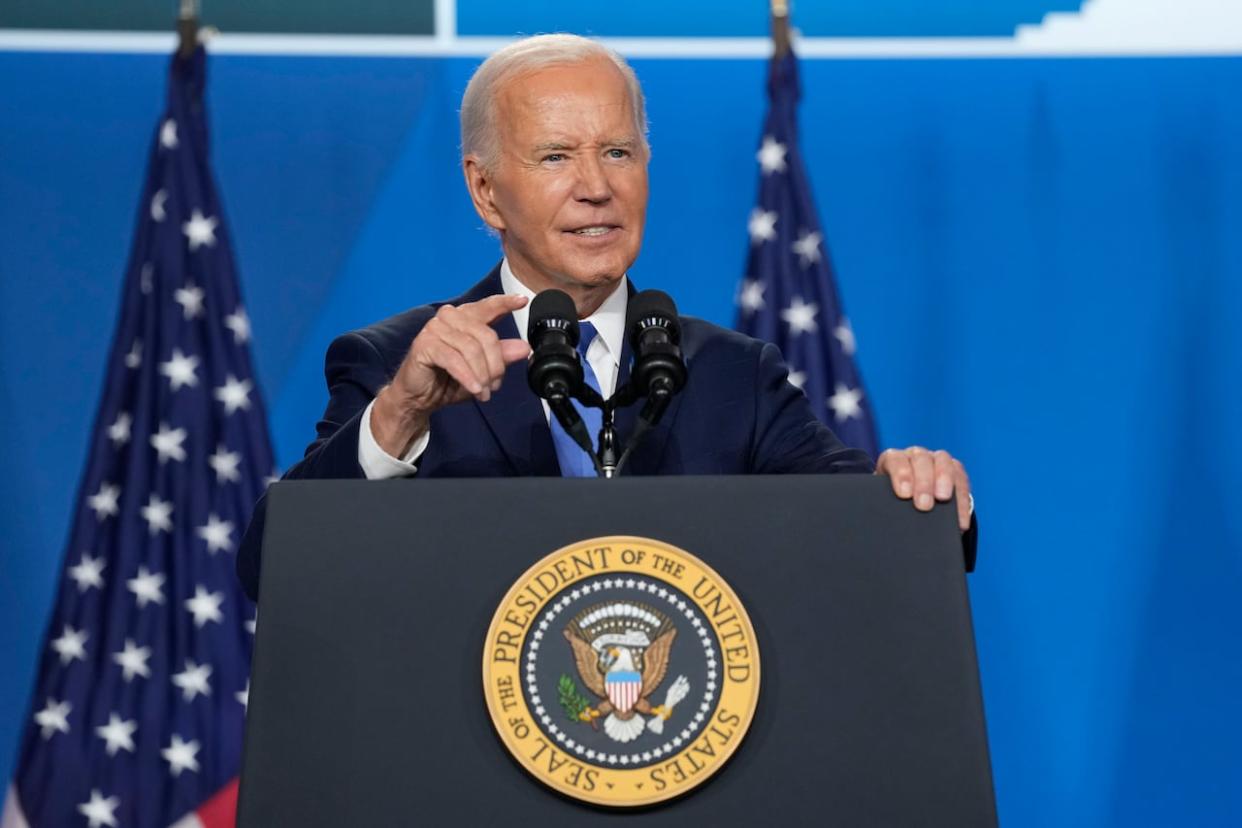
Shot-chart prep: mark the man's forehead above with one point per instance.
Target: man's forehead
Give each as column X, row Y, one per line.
column 595, row 90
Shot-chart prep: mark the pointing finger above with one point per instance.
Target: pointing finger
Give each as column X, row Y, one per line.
column 492, row 308
column 513, row 350
column 481, row 340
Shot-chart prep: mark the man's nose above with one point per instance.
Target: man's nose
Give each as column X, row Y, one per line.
column 593, row 184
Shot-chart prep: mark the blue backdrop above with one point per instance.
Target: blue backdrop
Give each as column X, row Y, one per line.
column 1042, row 260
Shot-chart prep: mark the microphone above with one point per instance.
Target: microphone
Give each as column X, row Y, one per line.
column 659, row 371
column 554, row 371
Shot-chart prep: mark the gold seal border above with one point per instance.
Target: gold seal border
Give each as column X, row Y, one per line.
column 744, row 695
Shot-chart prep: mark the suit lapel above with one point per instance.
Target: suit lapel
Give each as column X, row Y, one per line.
column 648, row 457
column 514, row 414
column 627, row 416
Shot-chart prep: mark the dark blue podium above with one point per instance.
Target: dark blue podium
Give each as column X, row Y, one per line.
column 367, row 704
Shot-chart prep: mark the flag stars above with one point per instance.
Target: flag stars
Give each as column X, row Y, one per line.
column 224, row 463
column 751, row 296
column 845, row 335
column 243, row 696
column 168, row 134
column 762, row 225
column 193, row 680
column 118, row 432
column 181, row 755
column 797, row 379
column 167, row 443
column 205, row 606
column 53, row 718
column 218, row 534
column 134, row 358
column 118, row 733
column 239, row 324
column 845, row 402
column 771, row 155
column 71, row 645
column 148, row 587
column 158, row 213
column 200, row 230
column 158, row 515
column 190, row 298
column 88, row 572
column 807, row 248
column 800, row 316
column 104, row 501
column 234, row 394
column 133, row 660
column 100, row 810
column 180, row 370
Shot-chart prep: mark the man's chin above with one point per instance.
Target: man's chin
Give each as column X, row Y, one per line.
column 577, row 273
column 596, row 271
column 599, row 281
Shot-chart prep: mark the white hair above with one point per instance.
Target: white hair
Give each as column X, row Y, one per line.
column 478, row 104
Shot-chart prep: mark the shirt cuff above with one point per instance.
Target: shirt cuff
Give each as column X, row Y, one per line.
column 378, row 464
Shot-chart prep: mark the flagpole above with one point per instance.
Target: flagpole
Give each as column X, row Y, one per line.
column 780, row 28
column 187, row 29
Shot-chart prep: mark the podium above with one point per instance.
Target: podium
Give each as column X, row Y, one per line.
column 367, row 703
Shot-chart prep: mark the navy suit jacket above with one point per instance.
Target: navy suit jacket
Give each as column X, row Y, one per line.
column 737, row 414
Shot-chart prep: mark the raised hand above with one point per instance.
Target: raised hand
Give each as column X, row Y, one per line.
column 456, row 356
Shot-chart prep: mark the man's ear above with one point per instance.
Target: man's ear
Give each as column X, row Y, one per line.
column 479, row 183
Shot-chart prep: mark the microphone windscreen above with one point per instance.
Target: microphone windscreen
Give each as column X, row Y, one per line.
column 648, row 305
column 552, row 308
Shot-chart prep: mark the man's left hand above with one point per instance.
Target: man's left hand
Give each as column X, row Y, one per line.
column 927, row 476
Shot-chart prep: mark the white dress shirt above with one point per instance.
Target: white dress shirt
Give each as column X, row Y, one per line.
column 604, row 356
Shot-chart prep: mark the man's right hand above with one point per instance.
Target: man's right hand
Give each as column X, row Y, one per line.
column 456, row 356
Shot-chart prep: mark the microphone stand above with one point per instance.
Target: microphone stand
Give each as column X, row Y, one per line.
column 607, row 462
column 608, row 441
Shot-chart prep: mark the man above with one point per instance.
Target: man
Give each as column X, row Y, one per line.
column 554, row 152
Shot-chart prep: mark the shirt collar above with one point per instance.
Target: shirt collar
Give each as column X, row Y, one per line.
column 608, row 319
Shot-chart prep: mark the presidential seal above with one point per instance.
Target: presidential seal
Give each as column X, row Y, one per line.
column 621, row 671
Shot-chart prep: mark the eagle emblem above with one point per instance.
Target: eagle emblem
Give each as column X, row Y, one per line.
column 621, row 650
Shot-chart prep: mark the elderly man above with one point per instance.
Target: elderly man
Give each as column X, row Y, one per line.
column 554, row 152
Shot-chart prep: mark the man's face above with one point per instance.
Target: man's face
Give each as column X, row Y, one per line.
column 569, row 190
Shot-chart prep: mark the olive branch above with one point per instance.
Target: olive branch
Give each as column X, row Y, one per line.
column 571, row 699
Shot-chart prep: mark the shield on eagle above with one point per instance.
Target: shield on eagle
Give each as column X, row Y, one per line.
column 623, row 689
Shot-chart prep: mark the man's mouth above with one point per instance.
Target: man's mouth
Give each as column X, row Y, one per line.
column 594, row 230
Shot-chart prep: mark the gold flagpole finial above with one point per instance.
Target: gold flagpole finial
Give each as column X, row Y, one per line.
column 187, row 28
column 780, row 27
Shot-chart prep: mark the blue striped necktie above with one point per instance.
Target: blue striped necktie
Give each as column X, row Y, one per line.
column 574, row 461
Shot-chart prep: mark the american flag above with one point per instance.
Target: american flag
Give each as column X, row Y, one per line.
column 788, row 296
column 136, row 719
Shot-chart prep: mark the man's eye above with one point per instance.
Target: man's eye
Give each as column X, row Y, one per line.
column 617, row 153
column 555, row 156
